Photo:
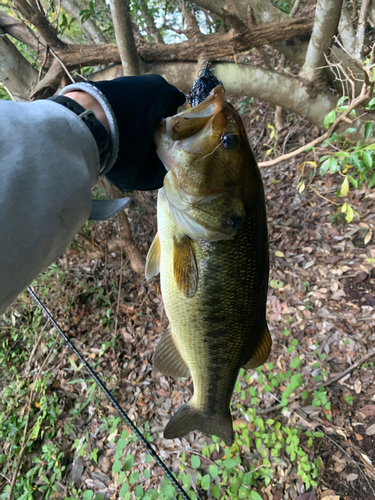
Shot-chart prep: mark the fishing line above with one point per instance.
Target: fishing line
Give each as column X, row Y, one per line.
column 121, row 412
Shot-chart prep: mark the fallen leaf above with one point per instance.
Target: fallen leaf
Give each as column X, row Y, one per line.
column 370, row 299
column 360, row 277
column 352, row 477
column 367, row 238
column 279, row 254
column 368, row 410
column 338, row 295
column 309, row 495
column 358, row 436
column 370, row 431
column 357, row 386
column 329, row 495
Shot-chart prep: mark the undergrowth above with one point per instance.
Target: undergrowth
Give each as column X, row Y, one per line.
column 262, row 445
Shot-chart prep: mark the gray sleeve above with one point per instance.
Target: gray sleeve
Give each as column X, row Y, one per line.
column 48, row 164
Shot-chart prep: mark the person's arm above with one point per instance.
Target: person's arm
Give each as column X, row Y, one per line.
column 48, row 165
column 49, row 162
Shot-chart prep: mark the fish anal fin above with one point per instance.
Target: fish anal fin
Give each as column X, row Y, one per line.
column 188, row 418
column 262, row 352
column 167, row 358
column 153, row 258
column 184, row 266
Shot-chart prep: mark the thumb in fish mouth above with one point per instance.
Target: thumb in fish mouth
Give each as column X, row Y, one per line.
column 188, row 418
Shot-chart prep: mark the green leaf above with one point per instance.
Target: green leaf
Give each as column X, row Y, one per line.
column 371, row 104
column 324, row 167
column 344, row 190
column 121, row 444
column 128, row 462
column 229, row 463
column 341, row 100
column 329, row 119
column 138, row 491
column 369, row 129
column 186, row 481
column 242, row 492
column 116, row 467
column 88, row 494
column 121, row 477
column 367, row 158
column 195, row 461
column 134, row 476
column 167, row 490
column 146, row 473
column 124, row 490
column 255, row 496
column 215, row 491
column 213, row 470
column 205, row 483
column 333, row 165
column 295, row 363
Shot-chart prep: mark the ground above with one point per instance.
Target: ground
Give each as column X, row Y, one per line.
column 320, row 313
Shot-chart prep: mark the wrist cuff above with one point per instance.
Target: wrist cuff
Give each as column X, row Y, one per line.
column 100, row 97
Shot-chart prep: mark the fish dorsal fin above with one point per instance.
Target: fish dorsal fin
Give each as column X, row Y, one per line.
column 167, row 358
column 153, row 258
column 184, row 266
column 262, row 352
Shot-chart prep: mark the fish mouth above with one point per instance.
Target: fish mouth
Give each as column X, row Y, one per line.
column 196, row 209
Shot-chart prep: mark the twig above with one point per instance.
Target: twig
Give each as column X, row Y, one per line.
column 62, row 65
column 365, row 94
column 350, row 369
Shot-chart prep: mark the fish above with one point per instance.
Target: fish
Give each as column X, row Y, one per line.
column 211, row 251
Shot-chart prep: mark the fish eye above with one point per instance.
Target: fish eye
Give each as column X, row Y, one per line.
column 229, row 140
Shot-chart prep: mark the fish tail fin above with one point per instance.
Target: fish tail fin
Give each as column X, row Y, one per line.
column 188, row 418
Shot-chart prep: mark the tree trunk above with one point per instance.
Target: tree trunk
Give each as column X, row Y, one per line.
column 122, row 23
column 16, row 74
column 327, row 18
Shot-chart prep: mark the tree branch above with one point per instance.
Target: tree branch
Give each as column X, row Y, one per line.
column 17, row 75
column 89, row 28
column 18, row 29
column 149, row 19
column 120, row 10
column 327, row 18
column 212, row 46
column 346, row 29
column 41, row 23
column 361, row 29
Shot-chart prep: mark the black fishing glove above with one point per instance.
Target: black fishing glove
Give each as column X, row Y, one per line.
column 139, row 103
column 134, row 106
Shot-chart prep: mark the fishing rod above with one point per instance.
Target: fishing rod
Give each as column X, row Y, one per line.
column 121, row 412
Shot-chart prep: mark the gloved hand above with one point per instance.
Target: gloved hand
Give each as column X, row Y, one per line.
column 138, row 104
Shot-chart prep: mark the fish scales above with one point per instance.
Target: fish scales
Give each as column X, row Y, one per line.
column 212, row 254
column 228, row 305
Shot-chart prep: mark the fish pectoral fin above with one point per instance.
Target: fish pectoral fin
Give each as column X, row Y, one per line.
column 184, row 266
column 188, row 418
column 262, row 352
column 153, row 258
column 167, row 358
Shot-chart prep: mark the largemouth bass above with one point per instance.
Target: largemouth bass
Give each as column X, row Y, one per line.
column 211, row 250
